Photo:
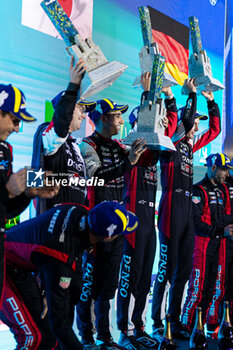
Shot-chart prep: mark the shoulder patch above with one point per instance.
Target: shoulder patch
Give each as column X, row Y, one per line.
column 64, row 282
column 196, row 199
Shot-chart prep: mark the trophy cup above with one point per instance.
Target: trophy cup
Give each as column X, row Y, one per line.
column 199, row 63
column 151, row 113
column 150, row 48
column 100, row 73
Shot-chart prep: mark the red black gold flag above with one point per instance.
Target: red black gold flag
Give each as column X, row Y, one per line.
column 172, row 38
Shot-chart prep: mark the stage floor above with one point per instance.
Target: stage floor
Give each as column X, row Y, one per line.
column 7, row 342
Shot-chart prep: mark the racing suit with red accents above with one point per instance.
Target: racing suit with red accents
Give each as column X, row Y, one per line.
column 9, row 208
column 105, row 159
column 50, row 244
column 140, row 245
column 54, row 149
column 224, row 281
column 175, row 220
column 209, row 219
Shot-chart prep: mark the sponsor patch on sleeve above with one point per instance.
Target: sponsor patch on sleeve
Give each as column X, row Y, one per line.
column 196, row 199
column 65, row 282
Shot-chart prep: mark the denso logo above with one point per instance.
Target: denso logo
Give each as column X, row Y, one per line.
column 187, row 160
column 125, row 274
column 162, row 263
column 87, row 283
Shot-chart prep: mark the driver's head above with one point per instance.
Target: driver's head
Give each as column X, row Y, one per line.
column 110, row 219
column 218, row 167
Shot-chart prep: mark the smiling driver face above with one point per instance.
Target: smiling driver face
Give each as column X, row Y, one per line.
column 195, row 128
column 78, row 116
column 113, row 122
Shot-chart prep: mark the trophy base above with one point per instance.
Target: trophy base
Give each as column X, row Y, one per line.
column 100, row 78
column 168, row 80
column 154, row 140
column 204, row 83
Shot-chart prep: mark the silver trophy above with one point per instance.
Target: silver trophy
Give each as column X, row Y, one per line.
column 199, row 63
column 100, row 73
column 150, row 48
column 152, row 112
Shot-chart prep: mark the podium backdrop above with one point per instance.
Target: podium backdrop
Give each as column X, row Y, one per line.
column 33, row 58
column 37, row 63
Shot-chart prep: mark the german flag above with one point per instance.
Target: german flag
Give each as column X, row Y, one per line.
column 172, row 38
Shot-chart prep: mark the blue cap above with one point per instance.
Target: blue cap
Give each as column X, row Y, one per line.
column 201, row 116
column 134, row 115
column 104, row 106
column 90, row 106
column 109, row 219
column 13, row 100
column 180, row 114
column 221, row 160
